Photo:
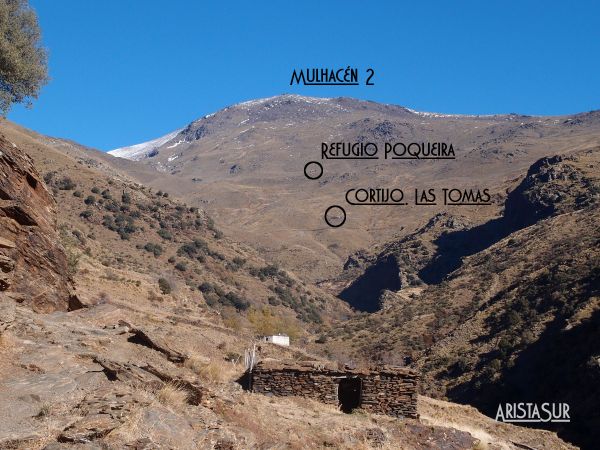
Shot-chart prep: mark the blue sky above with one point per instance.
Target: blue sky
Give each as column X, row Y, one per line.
column 127, row 71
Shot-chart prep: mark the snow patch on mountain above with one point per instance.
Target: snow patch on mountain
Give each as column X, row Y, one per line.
column 141, row 151
column 274, row 101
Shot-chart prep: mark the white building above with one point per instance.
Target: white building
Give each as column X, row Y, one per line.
column 279, row 339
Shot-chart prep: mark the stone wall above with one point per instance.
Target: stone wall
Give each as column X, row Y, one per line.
column 385, row 390
column 391, row 393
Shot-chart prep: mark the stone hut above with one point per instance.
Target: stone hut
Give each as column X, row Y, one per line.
column 382, row 389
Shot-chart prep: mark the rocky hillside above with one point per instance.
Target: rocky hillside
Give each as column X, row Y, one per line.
column 166, row 305
column 552, row 186
column 421, row 257
column 33, row 264
column 116, row 230
column 129, row 376
column 525, row 325
column 244, row 165
column 515, row 320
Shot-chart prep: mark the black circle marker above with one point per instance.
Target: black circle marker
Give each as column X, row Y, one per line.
column 306, row 170
column 343, row 213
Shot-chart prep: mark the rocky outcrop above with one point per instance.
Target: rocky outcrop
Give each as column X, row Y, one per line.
column 142, row 337
column 103, row 411
column 33, row 264
column 405, row 263
column 553, row 185
column 150, row 377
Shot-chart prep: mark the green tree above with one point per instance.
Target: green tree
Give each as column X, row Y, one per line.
column 23, row 61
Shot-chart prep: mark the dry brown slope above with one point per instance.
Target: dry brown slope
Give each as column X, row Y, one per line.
column 100, row 387
column 517, row 321
column 114, row 224
column 244, row 164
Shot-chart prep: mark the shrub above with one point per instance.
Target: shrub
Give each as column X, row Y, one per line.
column 194, row 249
column 164, row 286
column 86, row 214
column 123, row 234
column 263, row 321
column 181, row 266
column 165, row 234
column 156, row 249
column 120, row 223
column 206, row 287
column 49, row 177
column 66, row 184
column 109, row 222
column 211, row 298
column 77, row 194
column 233, row 299
column 231, row 320
column 238, row 261
column 321, row 339
column 111, row 206
column 95, row 190
column 90, row 200
column 269, row 271
column 72, row 262
column 126, row 197
column 461, row 365
column 233, row 357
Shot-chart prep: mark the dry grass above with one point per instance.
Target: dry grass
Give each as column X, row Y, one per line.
column 480, row 445
column 195, row 363
column 7, row 340
column 172, row 395
column 207, row 370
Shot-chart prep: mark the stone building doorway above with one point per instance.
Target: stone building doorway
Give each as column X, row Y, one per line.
column 349, row 392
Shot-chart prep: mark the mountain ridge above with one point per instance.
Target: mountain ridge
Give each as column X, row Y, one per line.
column 141, row 150
column 244, row 164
